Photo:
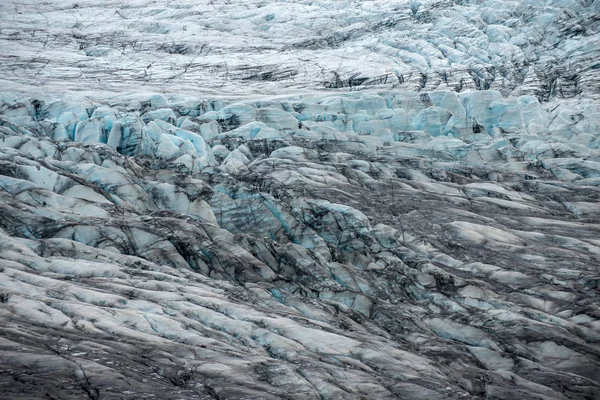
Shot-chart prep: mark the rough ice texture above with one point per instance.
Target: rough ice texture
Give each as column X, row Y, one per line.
column 546, row 48
column 378, row 233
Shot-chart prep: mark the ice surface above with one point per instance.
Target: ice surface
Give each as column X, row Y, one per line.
column 300, row 199
column 544, row 49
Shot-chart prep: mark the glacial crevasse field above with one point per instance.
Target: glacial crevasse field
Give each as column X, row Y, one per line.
column 300, row 199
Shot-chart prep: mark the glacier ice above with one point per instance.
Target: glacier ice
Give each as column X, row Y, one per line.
column 301, row 199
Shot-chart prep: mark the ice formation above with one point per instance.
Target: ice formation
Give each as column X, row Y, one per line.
column 300, row 199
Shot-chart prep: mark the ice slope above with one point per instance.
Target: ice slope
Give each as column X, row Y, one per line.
column 227, row 200
column 545, row 48
column 434, row 245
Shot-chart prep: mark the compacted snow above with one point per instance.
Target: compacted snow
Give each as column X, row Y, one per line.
column 300, row 199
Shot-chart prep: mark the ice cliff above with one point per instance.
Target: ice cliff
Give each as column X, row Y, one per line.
column 300, row 199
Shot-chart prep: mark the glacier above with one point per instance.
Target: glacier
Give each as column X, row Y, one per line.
column 300, row 199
